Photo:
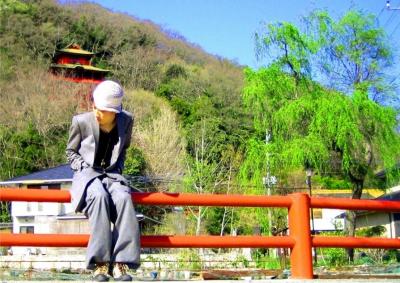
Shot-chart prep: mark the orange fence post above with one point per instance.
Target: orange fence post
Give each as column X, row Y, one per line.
column 299, row 230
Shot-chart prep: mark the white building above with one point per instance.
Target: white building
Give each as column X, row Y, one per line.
column 389, row 220
column 326, row 220
column 44, row 217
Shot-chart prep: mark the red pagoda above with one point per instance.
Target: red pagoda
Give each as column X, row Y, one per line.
column 74, row 64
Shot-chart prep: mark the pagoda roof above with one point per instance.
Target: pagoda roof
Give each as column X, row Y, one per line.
column 75, row 66
column 76, row 51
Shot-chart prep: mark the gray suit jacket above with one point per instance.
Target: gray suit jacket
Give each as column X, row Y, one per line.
column 81, row 150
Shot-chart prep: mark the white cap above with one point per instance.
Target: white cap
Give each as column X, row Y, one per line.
column 108, row 96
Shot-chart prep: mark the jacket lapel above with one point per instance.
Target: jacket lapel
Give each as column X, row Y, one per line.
column 121, row 137
column 95, row 130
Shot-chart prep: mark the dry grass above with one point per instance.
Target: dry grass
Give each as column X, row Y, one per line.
column 157, row 132
column 34, row 99
column 39, row 98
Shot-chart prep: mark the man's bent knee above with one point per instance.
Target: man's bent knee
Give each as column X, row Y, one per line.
column 121, row 197
column 96, row 191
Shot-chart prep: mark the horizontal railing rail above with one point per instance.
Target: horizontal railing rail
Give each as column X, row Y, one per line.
column 300, row 240
column 11, row 194
column 37, row 195
column 81, row 240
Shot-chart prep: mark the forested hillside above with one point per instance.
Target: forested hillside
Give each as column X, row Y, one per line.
column 203, row 89
column 189, row 124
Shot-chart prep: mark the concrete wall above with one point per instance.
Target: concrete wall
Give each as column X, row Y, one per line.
column 70, row 226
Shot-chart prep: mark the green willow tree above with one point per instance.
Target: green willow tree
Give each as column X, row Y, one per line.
column 353, row 55
column 311, row 126
column 352, row 50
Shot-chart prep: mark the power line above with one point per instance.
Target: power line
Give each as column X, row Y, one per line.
column 397, row 26
column 380, row 13
column 390, row 19
column 390, row 8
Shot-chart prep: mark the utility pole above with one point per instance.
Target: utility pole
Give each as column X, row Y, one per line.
column 269, row 180
column 309, row 173
column 390, row 7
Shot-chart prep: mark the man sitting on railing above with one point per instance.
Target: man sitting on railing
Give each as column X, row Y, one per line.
column 96, row 151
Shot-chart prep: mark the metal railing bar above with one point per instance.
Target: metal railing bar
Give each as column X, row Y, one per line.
column 81, row 240
column 354, row 204
column 38, row 195
column 355, row 242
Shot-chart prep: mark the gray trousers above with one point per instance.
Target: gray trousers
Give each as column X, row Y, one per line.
column 109, row 202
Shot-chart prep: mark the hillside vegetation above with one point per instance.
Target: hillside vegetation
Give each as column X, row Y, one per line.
column 189, row 122
column 199, row 86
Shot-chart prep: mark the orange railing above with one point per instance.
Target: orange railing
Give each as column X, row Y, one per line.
column 300, row 240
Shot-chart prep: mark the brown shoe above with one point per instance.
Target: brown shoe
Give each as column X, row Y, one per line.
column 120, row 272
column 100, row 272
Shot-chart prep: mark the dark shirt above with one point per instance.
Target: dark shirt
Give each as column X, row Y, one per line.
column 107, row 141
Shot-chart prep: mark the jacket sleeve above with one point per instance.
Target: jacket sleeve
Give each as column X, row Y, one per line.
column 74, row 143
column 121, row 159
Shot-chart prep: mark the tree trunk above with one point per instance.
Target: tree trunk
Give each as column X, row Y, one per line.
column 350, row 223
column 198, row 222
column 221, row 233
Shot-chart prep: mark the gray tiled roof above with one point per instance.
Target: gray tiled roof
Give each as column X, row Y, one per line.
column 390, row 196
column 61, row 172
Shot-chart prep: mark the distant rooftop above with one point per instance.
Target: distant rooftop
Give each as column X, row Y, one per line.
column 61, row 173
column 77, row 66
column 76, row 49
column 394, row 195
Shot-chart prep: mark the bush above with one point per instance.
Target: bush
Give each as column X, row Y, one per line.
column 240, row 262
column 166, row 91
column 175, row 71
column 374, row 231
column 267, row 262
column 189, row 260
column 333, row 256
column 391, row 256
column 370, row 256
column 135, row 162
column 332, row 183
